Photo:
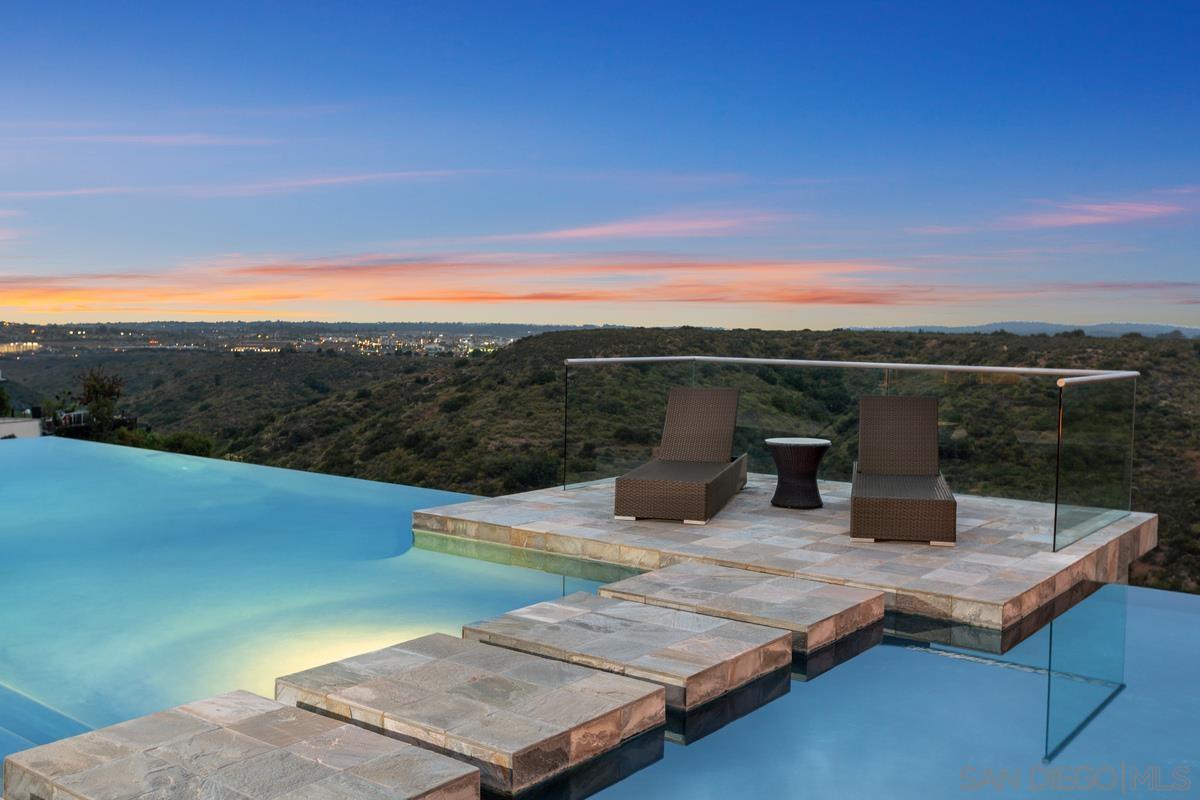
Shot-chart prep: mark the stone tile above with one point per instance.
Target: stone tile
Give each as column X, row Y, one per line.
column 199, row 756
column 341, row 786
column 132, row 776
column 230, row 708
column 208, row 752
column 368, row 702
column 283, row 726
column 677, row 649
column 519, row 719
column 995, row 534
column 345, row 746
column 311, row 686
column 157, row 729
column 271, row 774
column 410, row 774
column 794, row 604
column 68, row 756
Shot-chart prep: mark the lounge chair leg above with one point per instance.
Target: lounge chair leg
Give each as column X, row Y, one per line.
column 695, row 522
column 942, row 544
column 864, row 541
column 627, row 519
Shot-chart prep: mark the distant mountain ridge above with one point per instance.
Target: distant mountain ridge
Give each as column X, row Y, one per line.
column 1103, row 329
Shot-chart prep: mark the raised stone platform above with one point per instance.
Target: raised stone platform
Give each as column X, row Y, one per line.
column 519, row 718
column 816, row 613
column 236, row 746
column 1002, row 569
column 695, row 658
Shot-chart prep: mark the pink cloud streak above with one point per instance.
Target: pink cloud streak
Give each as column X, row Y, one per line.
column 1071, row 215
column 1067, row 215
column 678, row 225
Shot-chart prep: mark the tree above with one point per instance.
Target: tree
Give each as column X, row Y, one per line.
column 6, row 408
column 100, row 392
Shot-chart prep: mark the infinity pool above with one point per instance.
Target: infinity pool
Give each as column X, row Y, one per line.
column 132, row 580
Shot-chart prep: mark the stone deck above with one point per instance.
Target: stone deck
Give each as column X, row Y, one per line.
column 1001, row 571
column 816, row 613
column 236, row 746
column 695, row 658
column 519, row 718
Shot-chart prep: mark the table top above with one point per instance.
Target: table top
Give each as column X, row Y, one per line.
column 798, row 441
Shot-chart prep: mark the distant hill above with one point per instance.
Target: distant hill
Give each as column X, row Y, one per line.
column 1104, row 329
column 492, row 424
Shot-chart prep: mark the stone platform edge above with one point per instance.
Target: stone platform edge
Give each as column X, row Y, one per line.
column 1104, row 556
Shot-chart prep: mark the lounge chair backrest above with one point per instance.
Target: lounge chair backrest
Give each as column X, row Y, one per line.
column 898, row 435
column 699, row 424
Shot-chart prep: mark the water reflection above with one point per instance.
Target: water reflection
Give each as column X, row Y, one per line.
column 599, row 773
column 688, row 728
column 806, row 666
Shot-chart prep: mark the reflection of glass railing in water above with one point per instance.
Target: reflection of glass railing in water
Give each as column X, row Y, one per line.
column 1080, row 654
column 1036, row 434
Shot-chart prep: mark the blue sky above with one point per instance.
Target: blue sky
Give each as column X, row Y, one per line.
column 754, row 164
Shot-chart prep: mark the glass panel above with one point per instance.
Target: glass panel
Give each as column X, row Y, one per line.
column 1095, row 457
column 818, row 402
column 1086, row 665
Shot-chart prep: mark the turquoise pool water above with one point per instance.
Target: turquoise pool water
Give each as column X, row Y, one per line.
column 132, row 580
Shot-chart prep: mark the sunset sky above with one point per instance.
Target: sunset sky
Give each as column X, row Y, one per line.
column 657, row 163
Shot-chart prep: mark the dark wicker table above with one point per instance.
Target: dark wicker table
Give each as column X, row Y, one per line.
column 796, row 461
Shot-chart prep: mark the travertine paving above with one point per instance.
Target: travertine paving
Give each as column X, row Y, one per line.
column 1001, row 570
column 817, row 613
column 519, row 718
column 694, row 657
column 236, row 746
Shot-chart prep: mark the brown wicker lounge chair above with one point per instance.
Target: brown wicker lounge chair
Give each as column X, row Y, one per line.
column 899, row 492
column 692, row 476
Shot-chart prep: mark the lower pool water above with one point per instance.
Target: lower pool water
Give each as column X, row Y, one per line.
column 132, row 580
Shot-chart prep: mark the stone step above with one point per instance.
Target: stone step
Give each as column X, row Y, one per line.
column 519, row 718
column 817, row 614
column 695, row 658
column 238, row 746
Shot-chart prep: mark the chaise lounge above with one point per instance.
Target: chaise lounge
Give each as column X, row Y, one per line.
column 899, row 492
column 692, row 476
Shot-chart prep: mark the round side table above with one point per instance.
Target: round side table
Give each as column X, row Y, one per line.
column 796, row 460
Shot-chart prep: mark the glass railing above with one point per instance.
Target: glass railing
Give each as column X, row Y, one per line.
column 1003, row 432
column 1095, row 457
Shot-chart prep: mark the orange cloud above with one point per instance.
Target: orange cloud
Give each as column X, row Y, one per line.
column 240, row 286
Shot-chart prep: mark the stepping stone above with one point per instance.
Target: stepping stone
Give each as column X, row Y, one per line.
column 236, row 746
column 696, row 658
column 817, row 613
column 519, row 718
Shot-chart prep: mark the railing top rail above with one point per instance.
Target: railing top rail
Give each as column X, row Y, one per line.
column 1066, row 377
